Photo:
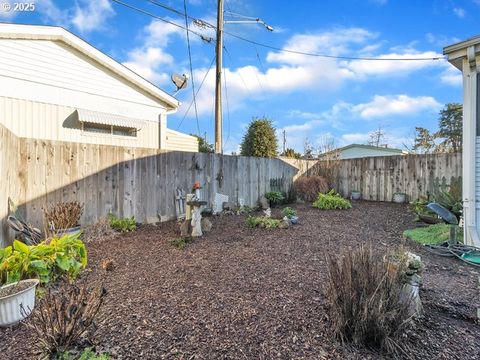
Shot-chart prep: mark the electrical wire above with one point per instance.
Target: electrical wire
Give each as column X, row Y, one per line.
column 238, row 72
column 131, row 7
column 191, row 66
column 271, row 47
column 198, row 90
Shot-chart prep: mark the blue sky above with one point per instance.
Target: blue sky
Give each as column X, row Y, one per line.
column 310, row 97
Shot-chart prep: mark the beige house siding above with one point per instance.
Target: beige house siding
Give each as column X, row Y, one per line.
column 177, row 141
column 35, row 120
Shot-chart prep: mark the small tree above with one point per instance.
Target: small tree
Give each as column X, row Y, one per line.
column 376, row 137
column 260, row 139
column 450, row 128
column 424, row 141
column 291, row 153
column 203, row 145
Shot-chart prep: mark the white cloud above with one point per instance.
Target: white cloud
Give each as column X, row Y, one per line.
column 354, row 138
column 460, row 12
column 362, row 69
column 452, row 76
column 398, row 105
column 148, row 63
column 379, row 2
column 151, row 60
column 91, row 15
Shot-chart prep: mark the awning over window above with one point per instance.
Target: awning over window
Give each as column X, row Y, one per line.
column 95, row 117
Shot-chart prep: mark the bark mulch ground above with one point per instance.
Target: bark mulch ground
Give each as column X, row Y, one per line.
column 240, row 293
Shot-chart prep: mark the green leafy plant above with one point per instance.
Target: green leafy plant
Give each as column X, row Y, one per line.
column 331, row 201
column 274, row 197
column 181, row 242
column 87, row 354
column 264, row 222
column 289, row 212
column 65, row 255
column 122, row 225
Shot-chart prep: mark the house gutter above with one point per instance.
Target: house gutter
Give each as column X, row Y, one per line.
column 465, row 56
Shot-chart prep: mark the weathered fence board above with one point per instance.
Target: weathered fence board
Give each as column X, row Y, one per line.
column 378, row 178
column 125, row 181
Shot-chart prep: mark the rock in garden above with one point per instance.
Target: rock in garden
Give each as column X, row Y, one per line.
column 184, row 227
column 108, row 265
column 206, row 224
column 284, row 224
column 264, row 203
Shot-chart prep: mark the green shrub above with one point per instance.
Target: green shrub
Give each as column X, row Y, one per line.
column 122, row 225
column 65, row 255
column 274, row 197
column 264, row 222
column 181, row 242
column 289, row 212
column 330, row 201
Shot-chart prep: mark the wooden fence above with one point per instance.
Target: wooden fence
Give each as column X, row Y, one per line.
column 126, row 181
column 378, row 178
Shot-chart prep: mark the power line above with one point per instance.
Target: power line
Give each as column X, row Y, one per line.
column 433, row 58
column 203, row 37
column 191, row 67
column 239, row 73
column 198, row 90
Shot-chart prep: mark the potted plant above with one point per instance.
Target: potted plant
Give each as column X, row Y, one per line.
column 274, row 197
column 63, row 218
column 290, row 214
column 399, row 198
column 17, row 301
column 356, row 195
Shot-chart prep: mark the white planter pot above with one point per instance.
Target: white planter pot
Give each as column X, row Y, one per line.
column 70, row 231
column 399, row 198
column 356, row 195
column 11, row 311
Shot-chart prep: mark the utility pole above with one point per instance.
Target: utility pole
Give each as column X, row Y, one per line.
column 218, row 78
column 218, row 81
column 284, row 141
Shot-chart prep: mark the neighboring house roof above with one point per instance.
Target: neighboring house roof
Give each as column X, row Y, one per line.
column 54, row 33
column 386, row 150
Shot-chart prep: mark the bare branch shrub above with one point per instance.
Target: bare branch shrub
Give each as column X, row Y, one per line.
column 364, row 299
column 307, row 188
column 62, row 215
column 99, row 231
column 65, row 316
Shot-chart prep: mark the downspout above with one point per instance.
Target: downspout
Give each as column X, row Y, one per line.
column 469, row 146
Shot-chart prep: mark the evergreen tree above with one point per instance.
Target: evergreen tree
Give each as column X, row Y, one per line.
column 203, row 145
column 260, row 139
column 450, row 128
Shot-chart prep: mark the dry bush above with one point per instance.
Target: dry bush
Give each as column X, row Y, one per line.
column 99, row 231
column 307, row 188
column 62, row 215
column 364, row 298
column 65, row 317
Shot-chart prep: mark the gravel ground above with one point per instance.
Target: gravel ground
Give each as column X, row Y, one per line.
column 240, row 293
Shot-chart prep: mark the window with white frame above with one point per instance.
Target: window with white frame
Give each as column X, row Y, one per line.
column 108, row 129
